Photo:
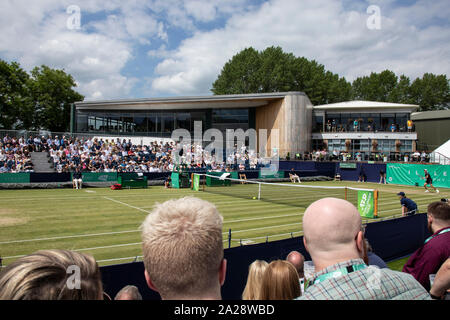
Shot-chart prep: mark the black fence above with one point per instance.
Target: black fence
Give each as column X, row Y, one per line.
column 390, row 239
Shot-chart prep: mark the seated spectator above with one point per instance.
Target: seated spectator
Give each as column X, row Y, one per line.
column 298, row 260
column 372, row 258
column 280, row 282
column 52, row 275
column 435, row 251
column 441, row 284
column 252, row 290
column 128, row 293
column 294, row 176
column 334, row 237
column 77, row 179
column 183, row 250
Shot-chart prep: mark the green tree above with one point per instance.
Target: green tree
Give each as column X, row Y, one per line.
column 375, row 87
column 14, row 96
column 431, row 92
column 273, row 70
column 240, row 75
column 52, row 95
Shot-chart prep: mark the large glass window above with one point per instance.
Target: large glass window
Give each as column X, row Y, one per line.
column 346, row 122
column 140, row 120
column 317, row 123
column 374, row 121
column 336, row 144
column 406, row 146
column 332, row 122
column 82, row 122
column 113, row 125
column 401, row 119
column 386, row 145
column 230, row 116
column 387, row 119
column 364, row 145
column 183, row 121
column 167, row 122
column 153, row 123
column 127, row 123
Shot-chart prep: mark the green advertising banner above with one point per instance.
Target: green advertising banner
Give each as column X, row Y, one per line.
column 196, row 182
column 413, row 174
column 175, row 178
column 20, row 177
column 366, row 204
column 98, row 176
column 268, row 174
column 347, row 165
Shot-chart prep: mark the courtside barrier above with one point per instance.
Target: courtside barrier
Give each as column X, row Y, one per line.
column 14, row 177
column 413, row 174
column 390, row 239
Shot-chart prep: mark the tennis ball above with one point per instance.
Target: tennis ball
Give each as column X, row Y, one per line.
column 254, row 198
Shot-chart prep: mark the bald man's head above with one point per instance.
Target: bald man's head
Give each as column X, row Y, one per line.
column 297, row 260
column 331, row 227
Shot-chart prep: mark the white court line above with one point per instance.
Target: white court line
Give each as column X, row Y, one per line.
column 128, row 205
column 254, row 229
column 87, row 249
column 127, row 231
column 224, row 233
column 262, row 218
column 68, row 237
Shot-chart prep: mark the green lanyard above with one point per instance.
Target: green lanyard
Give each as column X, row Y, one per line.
column 443, row 231
column 339, row 272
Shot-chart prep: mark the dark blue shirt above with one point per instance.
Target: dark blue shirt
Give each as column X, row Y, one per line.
column 375, row 260
column 409, row 204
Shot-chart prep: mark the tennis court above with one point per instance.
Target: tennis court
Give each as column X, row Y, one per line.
column 105, row 223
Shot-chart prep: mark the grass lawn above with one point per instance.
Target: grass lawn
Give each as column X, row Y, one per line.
column 105, row 223
column 397, row 264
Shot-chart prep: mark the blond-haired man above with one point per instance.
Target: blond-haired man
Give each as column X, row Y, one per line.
column 183, row 250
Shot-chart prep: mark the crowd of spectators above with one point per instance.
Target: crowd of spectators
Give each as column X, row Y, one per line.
column 188, row 232
column 66, row 153
column 15, row 155
column 98, row 155
column 336, row 155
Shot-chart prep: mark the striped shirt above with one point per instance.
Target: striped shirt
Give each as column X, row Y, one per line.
column 371, row 283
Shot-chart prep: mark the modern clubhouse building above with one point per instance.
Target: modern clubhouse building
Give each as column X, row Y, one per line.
column 380, row 128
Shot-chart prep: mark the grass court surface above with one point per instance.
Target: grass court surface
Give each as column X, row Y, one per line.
column 105, row 223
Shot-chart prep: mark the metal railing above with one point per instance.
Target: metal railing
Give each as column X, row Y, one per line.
column 437, row 157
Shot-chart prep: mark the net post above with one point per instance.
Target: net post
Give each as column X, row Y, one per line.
column 259, row 191
column 229, row 238
column 345, row 192
column 192, row 181
column 375, row 205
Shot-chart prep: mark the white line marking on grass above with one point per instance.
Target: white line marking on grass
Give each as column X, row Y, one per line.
column 262, row 218
column 117, row 259
column 270, row 227
column 67, row 237
column 88, row 249
column 126, row 204
column 128, row 231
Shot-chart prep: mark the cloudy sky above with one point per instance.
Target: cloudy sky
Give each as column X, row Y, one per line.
column 161, row 48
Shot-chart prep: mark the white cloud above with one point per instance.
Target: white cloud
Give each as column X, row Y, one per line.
column 318, row 29
column 36, row 33
column 413, row 39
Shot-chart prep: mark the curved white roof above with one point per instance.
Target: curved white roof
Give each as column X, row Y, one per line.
column 358, row 104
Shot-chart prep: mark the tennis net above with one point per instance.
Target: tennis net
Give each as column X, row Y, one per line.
column 296, row 195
